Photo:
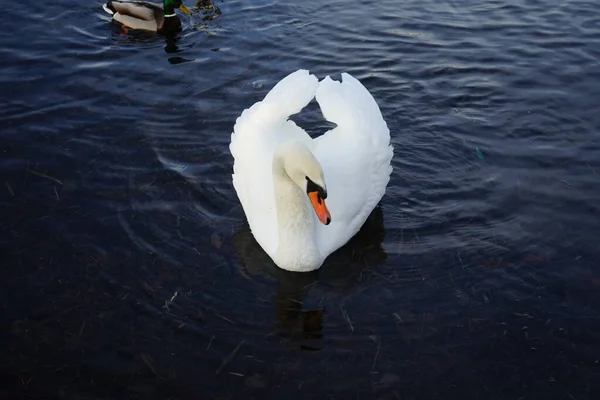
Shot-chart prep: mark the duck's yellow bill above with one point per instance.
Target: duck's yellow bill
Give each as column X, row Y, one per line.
column 184, row 9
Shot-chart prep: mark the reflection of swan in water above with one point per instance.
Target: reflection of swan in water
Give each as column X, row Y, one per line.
column 341, row 271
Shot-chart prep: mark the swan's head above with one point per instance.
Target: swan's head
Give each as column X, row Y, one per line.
column 305, row 171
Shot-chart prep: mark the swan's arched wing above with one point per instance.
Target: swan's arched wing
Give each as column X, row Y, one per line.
column 256, row 135
column 355, row 156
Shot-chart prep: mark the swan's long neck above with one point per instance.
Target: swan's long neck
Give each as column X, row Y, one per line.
column 297, row 249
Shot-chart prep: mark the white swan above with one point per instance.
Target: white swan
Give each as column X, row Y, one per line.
column 279, row 171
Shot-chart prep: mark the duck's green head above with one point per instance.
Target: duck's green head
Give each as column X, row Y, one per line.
column 170, row 5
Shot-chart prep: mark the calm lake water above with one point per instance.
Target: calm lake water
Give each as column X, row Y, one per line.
column 128, row 270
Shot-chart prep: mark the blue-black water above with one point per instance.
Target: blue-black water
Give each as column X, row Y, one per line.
column 128, row 271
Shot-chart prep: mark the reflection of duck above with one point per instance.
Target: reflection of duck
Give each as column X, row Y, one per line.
column 300, row 326
column 278, row 168
column 147, row 16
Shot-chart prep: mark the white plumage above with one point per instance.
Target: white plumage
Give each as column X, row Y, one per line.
column 353, row 165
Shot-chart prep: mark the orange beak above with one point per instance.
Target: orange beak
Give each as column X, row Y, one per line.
column 320, row 208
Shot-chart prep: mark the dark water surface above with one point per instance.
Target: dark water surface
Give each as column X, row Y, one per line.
column 128, row 271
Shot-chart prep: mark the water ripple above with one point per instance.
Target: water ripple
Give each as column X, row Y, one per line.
column 117, row 186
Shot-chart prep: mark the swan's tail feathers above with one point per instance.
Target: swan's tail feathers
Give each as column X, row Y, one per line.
column 349, row 105
column 290, row 95
column 109, row 8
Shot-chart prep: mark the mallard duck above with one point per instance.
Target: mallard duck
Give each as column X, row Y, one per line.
column 147, row 16
column 282, row 176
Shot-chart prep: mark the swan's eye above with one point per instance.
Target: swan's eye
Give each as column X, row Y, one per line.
column 313, row 187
